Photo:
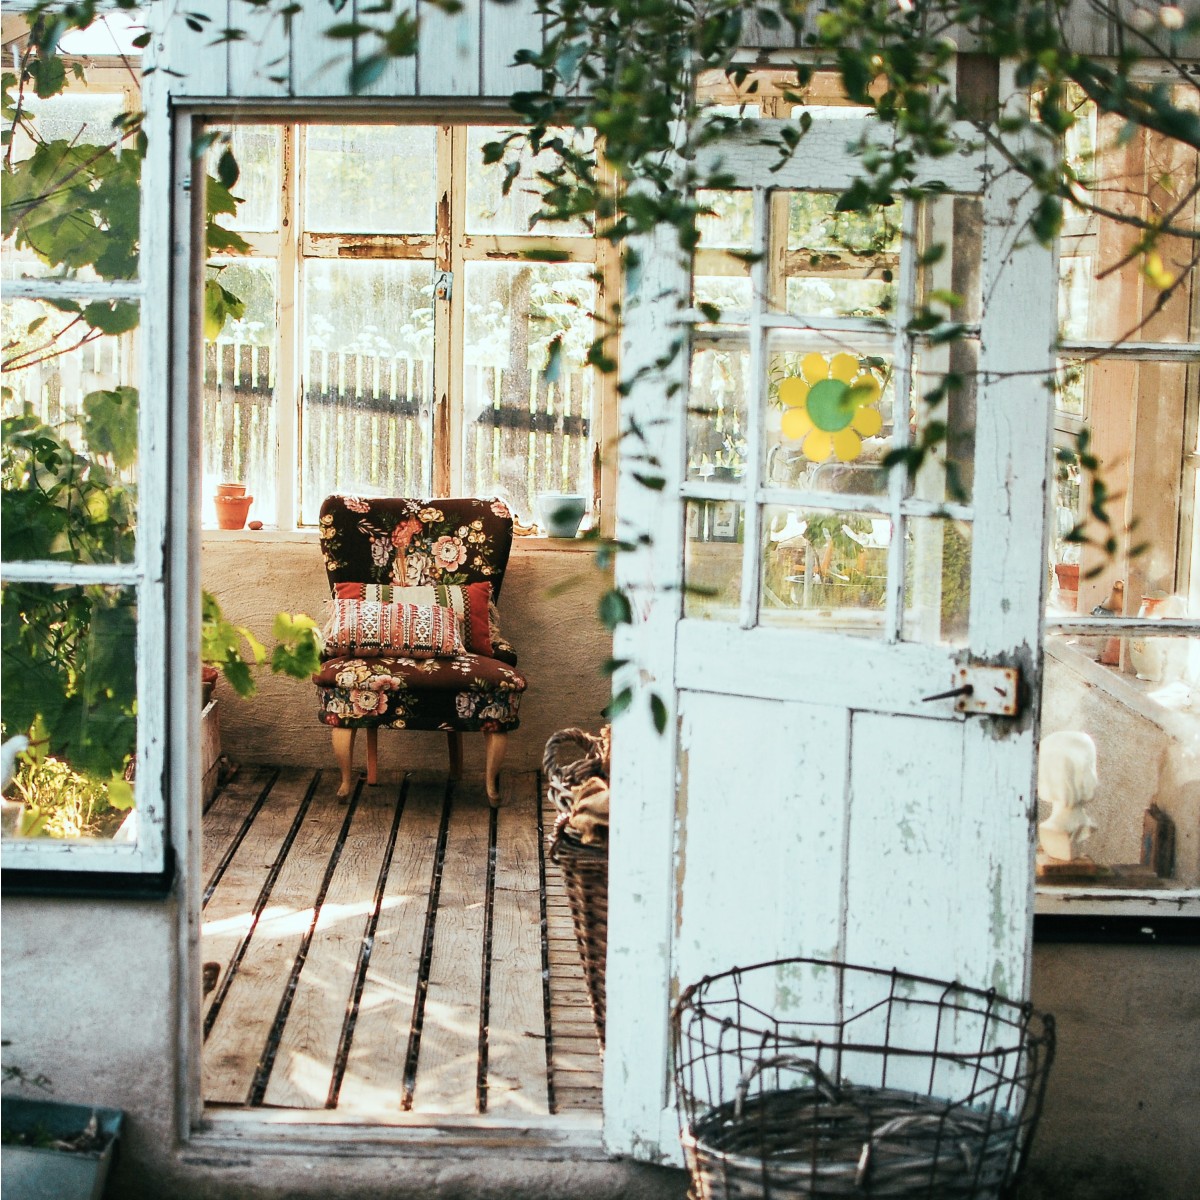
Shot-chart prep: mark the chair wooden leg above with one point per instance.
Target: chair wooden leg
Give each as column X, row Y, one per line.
column 372, row 755
column 497, row 746
column 454, row 739
column 343, row 751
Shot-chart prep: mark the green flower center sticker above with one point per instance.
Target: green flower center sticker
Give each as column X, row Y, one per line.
column 830, row 406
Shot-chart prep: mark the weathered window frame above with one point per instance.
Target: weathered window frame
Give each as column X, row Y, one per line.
column 146, row 865
column 449, row 248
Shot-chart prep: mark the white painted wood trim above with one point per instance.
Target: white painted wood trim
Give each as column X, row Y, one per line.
column 290, row 371
column 449, row 52
column 1187, row 352
column 641, row 909
column 72, row 289
column 826, row 153
column 873, row 675
column 80, row 574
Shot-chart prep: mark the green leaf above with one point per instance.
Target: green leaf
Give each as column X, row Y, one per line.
column 618, row 704
column 366, row 71
column 615, row 609
column 120, row 792
column 658, row 710
column 227, row 168
column 112, row 317
column 110, row 424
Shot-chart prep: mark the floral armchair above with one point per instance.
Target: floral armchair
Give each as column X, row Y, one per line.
column 417, row 558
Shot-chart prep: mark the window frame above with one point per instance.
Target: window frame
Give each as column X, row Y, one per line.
column 144, row 867
column 449, row 248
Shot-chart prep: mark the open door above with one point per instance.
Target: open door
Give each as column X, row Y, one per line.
column 848, row 655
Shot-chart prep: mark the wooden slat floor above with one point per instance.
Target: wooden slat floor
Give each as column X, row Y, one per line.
column 410, row 951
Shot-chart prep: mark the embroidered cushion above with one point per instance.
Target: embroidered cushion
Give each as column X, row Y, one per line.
column 470, row 603
column 366, row 628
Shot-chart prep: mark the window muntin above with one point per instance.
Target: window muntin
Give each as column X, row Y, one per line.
column 367, row 310
column 825, row 537
column 78, row 583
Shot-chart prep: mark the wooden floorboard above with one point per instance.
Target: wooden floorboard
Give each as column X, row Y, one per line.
column 304, row 1064
column 448, row 1063
column 352, row 978
column 517, row 1068
column 241, row 1033
column 374, row 1075
column 230, row 914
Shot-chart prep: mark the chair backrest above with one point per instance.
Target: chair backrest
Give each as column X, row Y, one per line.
column 412, row 542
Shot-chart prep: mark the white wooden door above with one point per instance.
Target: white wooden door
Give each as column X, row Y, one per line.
column 795, row 614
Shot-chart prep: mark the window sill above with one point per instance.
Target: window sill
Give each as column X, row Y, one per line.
column 521, row 545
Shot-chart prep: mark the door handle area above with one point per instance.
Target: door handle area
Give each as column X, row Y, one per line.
column 981, row 688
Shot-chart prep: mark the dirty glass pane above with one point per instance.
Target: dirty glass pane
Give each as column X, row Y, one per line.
column 490, row 211
column 69, row 681
column 719, row 277
column 951, row 238
column 829, row 412
column 369, row 178
column 527, row 395
column 712, row 564
column 70, row 428
column 72, row 196
column 826, row 263
column 716, row 425
column 240, row 420
column 823, row 569
column 367, row 357
column 257, row 149
column 1117, row 802
column 1140, row 418
column 945, row 380
column 937, row 581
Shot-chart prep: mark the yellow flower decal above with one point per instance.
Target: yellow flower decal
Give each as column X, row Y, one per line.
column 831, row 406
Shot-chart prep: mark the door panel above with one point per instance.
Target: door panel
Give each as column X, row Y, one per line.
column 802, row 610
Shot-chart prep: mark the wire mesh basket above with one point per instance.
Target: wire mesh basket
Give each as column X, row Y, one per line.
column 571, row 757
column 810, row 1078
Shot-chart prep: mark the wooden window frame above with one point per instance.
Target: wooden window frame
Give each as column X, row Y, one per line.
column 449, row 248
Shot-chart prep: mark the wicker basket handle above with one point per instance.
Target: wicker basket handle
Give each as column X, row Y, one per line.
column 903, row 1125
column 592, row 746
column 821, row 1081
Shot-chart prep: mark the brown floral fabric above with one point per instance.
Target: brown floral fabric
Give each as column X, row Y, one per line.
column 419, row 543
column 468, row 693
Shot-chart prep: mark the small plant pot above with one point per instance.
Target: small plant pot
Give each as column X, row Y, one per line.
column 35, row 1168
column 560, row 513
column 232, row 510
column 231, row 489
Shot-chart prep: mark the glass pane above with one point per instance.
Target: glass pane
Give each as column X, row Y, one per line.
column 368, row 380
column 951, row 284
column 1138, row 415
column 369, row 178
column 718, row 276
column 824, row 570
column 1152, row 174
column 527, row 395
column 490, row 211
column 257, row 150
column 945, row 382
column 1117, row 798
column 716, row 427
column 72, row 194
column 69, row 680
column 240, row 424
column 829, row 263
column 937, row 583
column 712, row 565
column 69, row 466
column 829, row 412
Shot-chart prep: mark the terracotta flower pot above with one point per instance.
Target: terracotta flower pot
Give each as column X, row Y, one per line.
column 232, row 510
column 231, row 489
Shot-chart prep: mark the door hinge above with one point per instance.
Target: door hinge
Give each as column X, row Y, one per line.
column 443, row 284
column 983, row 689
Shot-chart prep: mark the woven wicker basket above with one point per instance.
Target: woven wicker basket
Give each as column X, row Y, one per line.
column 906, row 1087
column 584, row 868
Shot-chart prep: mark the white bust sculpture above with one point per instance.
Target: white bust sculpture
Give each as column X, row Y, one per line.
column 1067, row 780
